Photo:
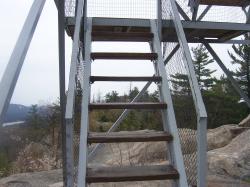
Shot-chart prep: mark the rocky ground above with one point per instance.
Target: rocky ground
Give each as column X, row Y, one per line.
column 228, row 159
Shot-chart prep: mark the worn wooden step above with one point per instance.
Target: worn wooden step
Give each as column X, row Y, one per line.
column 105, row 78
column 115, row 137
column 131, row 173
column 122, row 36
column 127, row 106
column 241, row 3
column 124, row 56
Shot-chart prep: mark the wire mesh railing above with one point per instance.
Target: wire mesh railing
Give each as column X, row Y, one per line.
column 189, row 107
column 146, row 9
column 216, row 13
column 70, row 8
column 184, row 110
column 141, row 9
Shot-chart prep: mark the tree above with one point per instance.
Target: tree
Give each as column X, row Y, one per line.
column 34, row 118
column 38, row 124
column 180, row 84
column 201, row 60
column 112, row 97
column 241, row 57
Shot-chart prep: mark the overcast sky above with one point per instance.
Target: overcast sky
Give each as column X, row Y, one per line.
column 38, row 81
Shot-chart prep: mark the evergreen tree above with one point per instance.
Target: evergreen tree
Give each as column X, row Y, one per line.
column 180, row 84
column 112, row 97
column 241, row 57
column 201, row 60
column 34, row 118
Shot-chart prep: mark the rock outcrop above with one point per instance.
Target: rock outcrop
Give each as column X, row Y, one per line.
column 222, row 136
column 228, row 159
column 245, row 122
column 233, row 159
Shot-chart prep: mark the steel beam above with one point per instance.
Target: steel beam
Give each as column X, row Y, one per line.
column 69, row 113
column 227, row 72
column 195, row 9
column 15, row 63
column 182, row 13
column 248, row 16
column 172, row 53
column 218, row 41
column 166, row 24
column 159, row 17
column 205, row 11
column 67, row 177
column 83, row 147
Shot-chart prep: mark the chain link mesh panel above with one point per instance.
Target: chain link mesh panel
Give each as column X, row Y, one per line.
column 145, row 9
column 216, row 13
column 70, row 6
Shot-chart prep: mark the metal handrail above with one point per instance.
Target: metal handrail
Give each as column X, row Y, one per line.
column 197, row 97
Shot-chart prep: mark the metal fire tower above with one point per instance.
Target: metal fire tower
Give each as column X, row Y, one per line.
column 170, row 27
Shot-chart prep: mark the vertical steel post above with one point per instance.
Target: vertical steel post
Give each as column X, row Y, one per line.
column 159, row 18
column 66, row 131
column 12, row 71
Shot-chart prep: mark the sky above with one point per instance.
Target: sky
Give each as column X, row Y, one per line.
column 38, row 82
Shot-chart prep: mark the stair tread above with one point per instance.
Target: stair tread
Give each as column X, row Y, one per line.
column 124, row 56
column 131, row 173
column 147, row 105
column 122, row 36
column 114, row 137
column 124, row 78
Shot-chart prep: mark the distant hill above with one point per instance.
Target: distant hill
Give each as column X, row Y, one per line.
column 16, row 112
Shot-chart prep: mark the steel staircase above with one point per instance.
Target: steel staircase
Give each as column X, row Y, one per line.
column 175, row 170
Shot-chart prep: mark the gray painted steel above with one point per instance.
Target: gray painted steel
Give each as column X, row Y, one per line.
column 198, row 101
column 227, row 72
column 182, row 12
column 169, row 57
column 169, row 120
column 159, row 16
column 166, row 24
column 73, row 67
column 83, row 151
column 69, row 113
column 15, row 63
column 205, row 11
column 61, row 46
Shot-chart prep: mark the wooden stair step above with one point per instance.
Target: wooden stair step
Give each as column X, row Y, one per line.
column 115, row 137
column 122, row 36
column 93, row 106
column 105, row 78
column 124, row 56
column 131, row 173
column 240, row 3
